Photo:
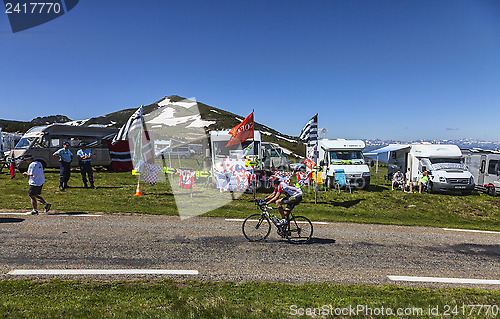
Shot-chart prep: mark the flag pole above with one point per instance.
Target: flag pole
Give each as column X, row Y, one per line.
column 316, row 167
column 253, row 167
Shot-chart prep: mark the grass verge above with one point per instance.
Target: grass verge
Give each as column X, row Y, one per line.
column 194, row 299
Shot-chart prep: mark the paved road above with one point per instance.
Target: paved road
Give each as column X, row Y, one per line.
column 339, row 253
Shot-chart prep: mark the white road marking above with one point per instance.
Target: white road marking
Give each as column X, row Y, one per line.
column 473, row 231
column 242, row 220
column 53, row 214
column 445, row 280
column 102, row 272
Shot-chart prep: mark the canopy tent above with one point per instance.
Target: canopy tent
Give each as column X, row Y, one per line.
column 385, row 149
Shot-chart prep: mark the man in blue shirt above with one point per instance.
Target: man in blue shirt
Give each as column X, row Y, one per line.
column 85, row 157
column 65, row 157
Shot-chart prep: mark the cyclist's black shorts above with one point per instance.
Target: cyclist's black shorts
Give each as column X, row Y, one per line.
column 292, row 201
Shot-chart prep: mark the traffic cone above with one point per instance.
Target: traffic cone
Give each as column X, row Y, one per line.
column 138, row 190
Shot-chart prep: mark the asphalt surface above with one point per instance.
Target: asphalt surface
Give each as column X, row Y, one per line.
column 338, row 253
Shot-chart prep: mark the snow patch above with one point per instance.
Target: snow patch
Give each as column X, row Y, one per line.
column 286, row 139
column 215, row 111
column 167, row 117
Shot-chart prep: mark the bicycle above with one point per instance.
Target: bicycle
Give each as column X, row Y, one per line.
column 257, row 227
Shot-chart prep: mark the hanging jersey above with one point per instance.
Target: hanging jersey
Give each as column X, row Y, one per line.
column 186, row 179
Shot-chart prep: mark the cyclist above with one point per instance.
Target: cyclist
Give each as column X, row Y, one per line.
column 293, row 197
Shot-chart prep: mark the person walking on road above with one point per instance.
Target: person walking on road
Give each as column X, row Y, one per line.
column 85, row 157
column 36, row 180
column 65, row 157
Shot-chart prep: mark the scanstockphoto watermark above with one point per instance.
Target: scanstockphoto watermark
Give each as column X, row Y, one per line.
column 355, row 310
column 366, row 310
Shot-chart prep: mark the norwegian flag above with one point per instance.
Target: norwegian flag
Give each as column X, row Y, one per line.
column 304, row 178
column 284, row 176
column 309, row 133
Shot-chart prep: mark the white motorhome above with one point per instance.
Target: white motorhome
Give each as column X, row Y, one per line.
column 442, row 161
column 43, row 141
column 347, row 155
column 271, row 155
column 484, row 165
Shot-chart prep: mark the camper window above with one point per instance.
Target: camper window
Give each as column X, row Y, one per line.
column 492, row 167
column 54, row 142
column 74, row 141
column 24, row 143
column 446, row 160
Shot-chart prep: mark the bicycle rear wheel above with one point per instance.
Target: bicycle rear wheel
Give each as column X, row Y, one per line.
column 300, row 230
column 256, row 227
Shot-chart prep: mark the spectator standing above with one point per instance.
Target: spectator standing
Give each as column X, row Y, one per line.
column 85, row 158
column 65, row 157
column 36, row 180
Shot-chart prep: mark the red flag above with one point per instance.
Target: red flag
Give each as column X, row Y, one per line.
column 12, row 168
column 242, row 131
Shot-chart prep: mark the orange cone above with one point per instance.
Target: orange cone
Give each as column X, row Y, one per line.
column 138, row 190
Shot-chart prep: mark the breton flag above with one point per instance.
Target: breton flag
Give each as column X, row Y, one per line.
column 242, row 131
column 309, row 134
column 133, row 123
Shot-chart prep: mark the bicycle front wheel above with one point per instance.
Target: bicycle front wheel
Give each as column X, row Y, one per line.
column 300, row 230
column 256, row 227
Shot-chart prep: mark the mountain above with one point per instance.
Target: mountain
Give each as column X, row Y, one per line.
column 20, row 126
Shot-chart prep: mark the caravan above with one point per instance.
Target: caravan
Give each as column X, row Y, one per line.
column 43, row 141
column 485, row 167
column 347, row 155
column 442, row 161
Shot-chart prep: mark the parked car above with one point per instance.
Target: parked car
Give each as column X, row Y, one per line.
column 297, row 167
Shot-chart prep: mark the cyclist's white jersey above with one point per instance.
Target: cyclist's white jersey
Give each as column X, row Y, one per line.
column 288, row 190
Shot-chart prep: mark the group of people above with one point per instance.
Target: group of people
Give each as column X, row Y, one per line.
column 37, row 178
column 399, row 180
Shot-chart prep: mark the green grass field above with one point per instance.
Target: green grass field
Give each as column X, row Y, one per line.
column 193, row 299
column 378, row 205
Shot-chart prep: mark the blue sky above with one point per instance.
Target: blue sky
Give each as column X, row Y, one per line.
column 371, row 69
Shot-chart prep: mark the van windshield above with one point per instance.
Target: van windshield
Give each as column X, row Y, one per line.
column 24, row 143
column 221, row 151
column 339, row 156
column 447, row 163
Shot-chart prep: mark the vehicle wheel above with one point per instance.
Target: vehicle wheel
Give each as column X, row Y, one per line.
column 330, row 183
column 43, row 164
column 300, row 230
column 493, row 192
column 183, row 157
column 256, row 227
column 281, row 168
column 430, row 190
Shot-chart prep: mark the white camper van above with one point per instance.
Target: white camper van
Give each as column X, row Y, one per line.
column 485, row 167
column 270, row 154
column 442, row 161
column 43, row 141
column 346, row 155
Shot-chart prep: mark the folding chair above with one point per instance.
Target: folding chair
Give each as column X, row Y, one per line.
column 341, row 180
